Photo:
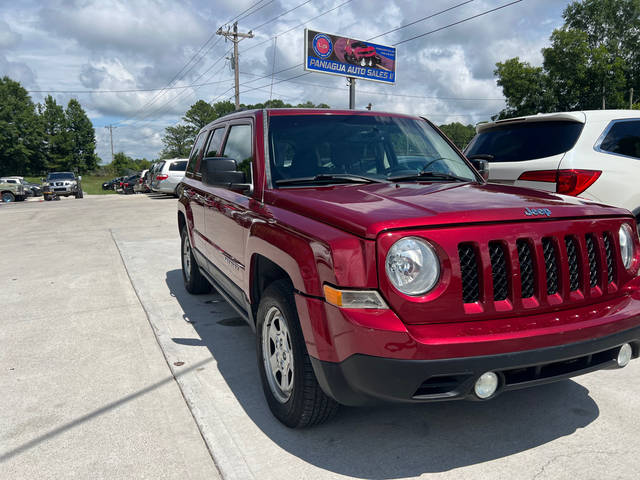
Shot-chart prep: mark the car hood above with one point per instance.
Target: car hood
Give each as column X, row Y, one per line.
column 367, row 210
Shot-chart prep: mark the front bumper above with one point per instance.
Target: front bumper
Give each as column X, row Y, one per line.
column 361, row 356
column 364, row 379
column 60, row 191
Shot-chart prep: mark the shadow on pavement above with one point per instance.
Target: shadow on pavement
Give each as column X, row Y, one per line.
column 392, row 441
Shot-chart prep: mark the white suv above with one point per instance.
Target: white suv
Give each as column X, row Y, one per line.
column 592, row 154
column 168, row 175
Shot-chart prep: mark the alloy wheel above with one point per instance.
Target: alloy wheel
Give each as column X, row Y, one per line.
column 277, row 354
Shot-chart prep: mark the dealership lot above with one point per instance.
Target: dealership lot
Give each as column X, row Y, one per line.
column 109, row 368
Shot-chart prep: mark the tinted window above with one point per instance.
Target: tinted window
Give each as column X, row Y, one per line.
column 178, row 166
column 238, row 147
column 215, row 142
column 623, row 138
column 526, row 141
column 379, row 147
column 195, row 153
column 238, row 144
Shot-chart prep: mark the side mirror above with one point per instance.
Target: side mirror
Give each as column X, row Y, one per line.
column 481, row 163
column 222, row 172
column 79, row 177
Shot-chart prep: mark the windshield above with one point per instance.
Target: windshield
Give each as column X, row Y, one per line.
column 377, row 147
column 61, row 176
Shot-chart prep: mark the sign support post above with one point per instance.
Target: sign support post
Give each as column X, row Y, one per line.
column 352, row 93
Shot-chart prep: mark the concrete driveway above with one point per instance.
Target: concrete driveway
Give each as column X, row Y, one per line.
column 90, row 391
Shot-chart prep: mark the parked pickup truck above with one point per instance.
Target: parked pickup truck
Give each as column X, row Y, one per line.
column 376, row 264
column 11, row 190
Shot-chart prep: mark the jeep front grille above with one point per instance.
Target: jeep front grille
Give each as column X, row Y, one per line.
column 558, row 266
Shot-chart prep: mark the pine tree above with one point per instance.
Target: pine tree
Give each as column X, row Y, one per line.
column 82, row 136
column 58, row 144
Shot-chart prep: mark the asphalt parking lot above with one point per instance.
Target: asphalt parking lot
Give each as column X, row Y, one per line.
column 109, row 369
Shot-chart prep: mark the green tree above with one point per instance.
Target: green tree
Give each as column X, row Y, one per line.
column 177, row 142
column 83, row 138
column 200, row 114
column 142, row 163
column 593, row 58
column 458, row 133
column 122, row 164
column 58, row 144
column 20, row 131
column 224, row 108
column 614, row 24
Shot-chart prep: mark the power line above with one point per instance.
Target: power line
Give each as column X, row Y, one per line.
column 179, row 75
column 281, row 15
column 371, row 92
column 298, row 25
column 237, row 17
column 420, row 20
column 456, row 23
column 256, row 10
column 179, row 95
column 132, row 90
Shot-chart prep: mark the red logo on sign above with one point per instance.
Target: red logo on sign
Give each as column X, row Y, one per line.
column 323, row 45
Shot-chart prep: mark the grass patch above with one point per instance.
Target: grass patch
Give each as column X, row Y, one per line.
column 91, row 184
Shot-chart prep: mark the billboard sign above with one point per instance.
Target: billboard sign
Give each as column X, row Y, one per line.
column 349, row 57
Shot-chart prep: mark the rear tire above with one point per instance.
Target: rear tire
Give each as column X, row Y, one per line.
column 194, row 281
column 288, row 380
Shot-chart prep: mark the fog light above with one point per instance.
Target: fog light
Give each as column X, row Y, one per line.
column 486, row 385
column 624, row 355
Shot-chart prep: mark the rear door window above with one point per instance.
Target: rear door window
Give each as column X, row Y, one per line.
column 213, row 149
column 526, row 141
column 623, row 138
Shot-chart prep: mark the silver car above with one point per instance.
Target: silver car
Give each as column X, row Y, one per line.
column 168, row 176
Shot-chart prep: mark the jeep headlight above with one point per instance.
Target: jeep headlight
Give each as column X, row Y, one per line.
column 412, row 266
column 625, row 236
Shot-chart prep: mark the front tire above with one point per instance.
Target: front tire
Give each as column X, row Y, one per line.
column 288, row 380
column 194, row 281
column 8, row 197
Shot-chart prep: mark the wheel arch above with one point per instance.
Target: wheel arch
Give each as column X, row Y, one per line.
column 263, row 272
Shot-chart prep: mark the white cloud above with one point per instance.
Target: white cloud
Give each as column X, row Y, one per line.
column 120, row 45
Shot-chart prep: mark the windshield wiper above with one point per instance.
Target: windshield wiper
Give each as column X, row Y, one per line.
column 429, row 174
column 329, row 178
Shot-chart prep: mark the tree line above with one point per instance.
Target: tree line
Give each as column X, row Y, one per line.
column 593, row 63
column 37, row 138
column 179, row 138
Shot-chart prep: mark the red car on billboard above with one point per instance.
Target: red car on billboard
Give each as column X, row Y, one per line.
column 362, row 54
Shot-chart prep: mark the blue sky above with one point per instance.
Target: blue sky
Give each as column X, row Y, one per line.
column 79, row 45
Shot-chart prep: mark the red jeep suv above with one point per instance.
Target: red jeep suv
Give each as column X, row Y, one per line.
column 376, row 264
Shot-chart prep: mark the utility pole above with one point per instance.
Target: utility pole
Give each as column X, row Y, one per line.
column 235, row 37
column 631, row 98
column 111, row 127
